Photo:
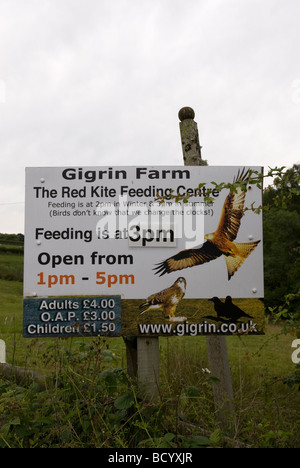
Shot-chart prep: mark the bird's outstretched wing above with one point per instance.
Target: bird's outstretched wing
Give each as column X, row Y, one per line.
column 228, row 227
column 188, row 258
column 232, row 211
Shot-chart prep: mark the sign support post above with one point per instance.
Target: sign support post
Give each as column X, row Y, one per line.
column 216, row 345
column 143, row 352
column 142, row 356
column 148, row 365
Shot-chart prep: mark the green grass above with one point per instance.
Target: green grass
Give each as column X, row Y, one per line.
column 11, row 249
column 11, row 266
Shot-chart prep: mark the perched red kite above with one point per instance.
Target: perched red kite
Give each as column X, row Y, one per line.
column 219, row 242
column 167, row 300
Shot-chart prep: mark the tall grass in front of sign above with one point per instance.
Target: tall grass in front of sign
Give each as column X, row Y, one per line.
column 266, row 407
column 89, row 401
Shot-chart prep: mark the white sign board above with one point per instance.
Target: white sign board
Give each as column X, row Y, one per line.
column 133, row 231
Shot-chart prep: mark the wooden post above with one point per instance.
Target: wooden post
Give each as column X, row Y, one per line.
column 222, row 389
column 148, row 365
column 142, row 356
column 131, row 356
column 2, row 352
column 191, row 148
column 216, row 345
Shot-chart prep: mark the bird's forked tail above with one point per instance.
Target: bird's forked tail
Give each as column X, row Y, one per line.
column 234, row 262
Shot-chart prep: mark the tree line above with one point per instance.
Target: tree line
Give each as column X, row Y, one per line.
column 281, row 229
column 17, row 239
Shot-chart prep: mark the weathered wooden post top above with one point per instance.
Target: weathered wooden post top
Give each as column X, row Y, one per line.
column 191, row 148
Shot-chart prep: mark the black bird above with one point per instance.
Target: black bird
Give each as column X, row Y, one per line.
column 228, row 310
column 234, row 312
column 219, row 307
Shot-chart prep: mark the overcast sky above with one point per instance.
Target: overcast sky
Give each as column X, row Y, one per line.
column 100, row 82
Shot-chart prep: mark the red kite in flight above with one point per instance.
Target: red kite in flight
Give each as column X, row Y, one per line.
column 220, row 242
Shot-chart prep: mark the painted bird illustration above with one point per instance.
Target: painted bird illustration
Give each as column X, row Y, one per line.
column 219, row 307
column 228, row 310
column 167, row 299
column 234, row 311
column 218, row 243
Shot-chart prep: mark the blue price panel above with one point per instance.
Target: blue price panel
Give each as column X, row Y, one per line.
column 72, row 316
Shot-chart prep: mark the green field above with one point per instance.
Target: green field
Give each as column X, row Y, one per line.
column 11, row 266
column 267, row 409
